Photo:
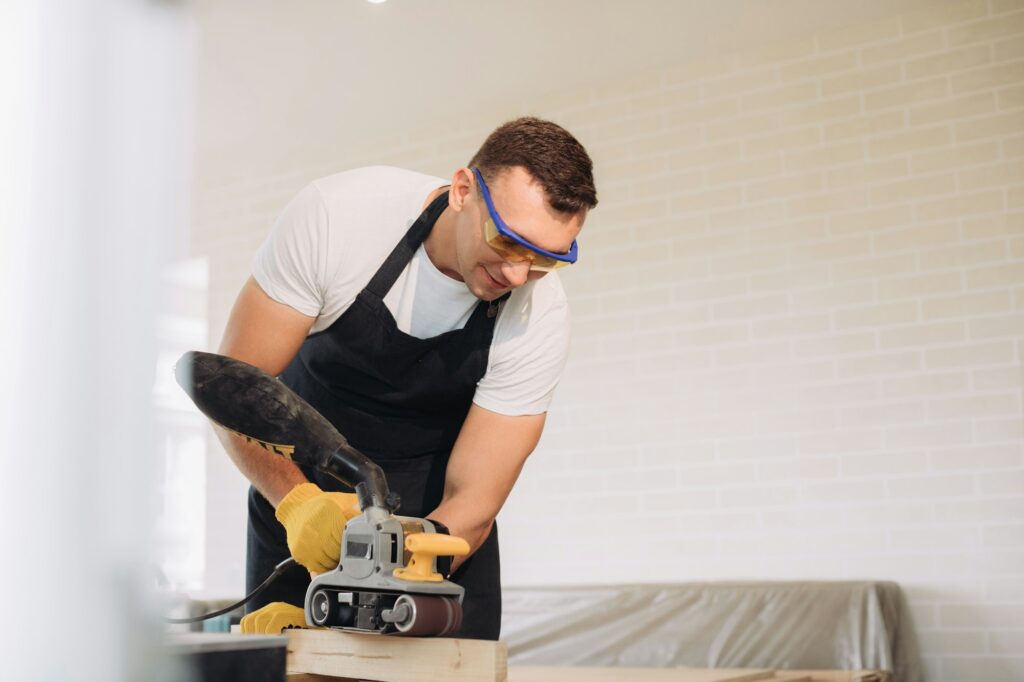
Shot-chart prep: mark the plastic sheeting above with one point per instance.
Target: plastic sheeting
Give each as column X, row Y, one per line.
column 780, row 625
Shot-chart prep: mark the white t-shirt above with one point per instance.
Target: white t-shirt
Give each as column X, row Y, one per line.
column 335, row 234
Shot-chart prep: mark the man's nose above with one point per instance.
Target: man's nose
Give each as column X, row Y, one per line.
column 516, row 273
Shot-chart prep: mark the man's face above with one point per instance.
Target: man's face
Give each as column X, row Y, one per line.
column 521, row 203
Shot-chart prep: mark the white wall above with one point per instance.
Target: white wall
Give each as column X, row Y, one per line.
column 798, row 322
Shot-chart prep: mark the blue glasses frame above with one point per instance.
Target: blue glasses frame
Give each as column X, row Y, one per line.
column 505, row 231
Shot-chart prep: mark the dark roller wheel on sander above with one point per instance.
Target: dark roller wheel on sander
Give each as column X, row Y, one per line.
column 429, row 616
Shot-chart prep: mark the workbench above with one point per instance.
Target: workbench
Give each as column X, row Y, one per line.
column 332, row 656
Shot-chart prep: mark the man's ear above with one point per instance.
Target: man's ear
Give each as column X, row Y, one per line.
column 463, row 185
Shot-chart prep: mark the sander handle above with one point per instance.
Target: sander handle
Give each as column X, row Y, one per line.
column 249, row 402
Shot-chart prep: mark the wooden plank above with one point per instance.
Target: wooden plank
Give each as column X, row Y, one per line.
column 848, row 675
column 565, row 674
column 614, row 674
column 584, row 674
column 395, row 659
column 558, row 674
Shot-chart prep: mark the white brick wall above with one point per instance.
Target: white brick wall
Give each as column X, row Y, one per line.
column 798, row 322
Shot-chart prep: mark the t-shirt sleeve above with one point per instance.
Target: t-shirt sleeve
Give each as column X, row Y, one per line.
column 525, row 367
column 291, row 264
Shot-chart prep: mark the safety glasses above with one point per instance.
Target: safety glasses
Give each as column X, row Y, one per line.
column 511, row 246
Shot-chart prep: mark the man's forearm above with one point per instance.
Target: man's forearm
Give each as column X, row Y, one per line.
column 463, row 523
column 273, row 475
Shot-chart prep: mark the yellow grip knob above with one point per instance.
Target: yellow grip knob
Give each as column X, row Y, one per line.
column 425, row 547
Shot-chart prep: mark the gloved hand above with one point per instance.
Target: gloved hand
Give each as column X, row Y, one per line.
column 314, row 521
column 272, row 619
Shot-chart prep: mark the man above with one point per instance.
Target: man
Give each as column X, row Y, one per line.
column 437, row 357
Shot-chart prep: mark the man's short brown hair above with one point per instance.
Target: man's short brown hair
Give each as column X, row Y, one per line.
column 549, row 153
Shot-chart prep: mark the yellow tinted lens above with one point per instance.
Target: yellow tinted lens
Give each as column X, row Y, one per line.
column 545, row 264
column 512, row 251
column 505, row 246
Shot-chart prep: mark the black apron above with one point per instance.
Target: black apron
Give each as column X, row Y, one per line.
column 401, row 401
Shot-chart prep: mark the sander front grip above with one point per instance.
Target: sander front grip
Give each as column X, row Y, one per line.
column 248, row 401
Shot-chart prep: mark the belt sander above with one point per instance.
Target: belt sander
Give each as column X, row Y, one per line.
column 387, row 579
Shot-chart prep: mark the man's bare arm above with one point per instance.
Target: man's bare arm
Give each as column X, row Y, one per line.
column 484, row 465
column 266, row 334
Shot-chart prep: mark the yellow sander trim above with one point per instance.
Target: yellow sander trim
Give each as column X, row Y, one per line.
column 425, row 547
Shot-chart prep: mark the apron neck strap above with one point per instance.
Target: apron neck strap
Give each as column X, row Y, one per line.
column 400, row 256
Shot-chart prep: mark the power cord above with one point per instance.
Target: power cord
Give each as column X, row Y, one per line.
column 278, row 570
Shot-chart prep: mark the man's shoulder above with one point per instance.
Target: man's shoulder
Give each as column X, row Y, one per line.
column 539, row 298
column 374, row 183
column 550, row 287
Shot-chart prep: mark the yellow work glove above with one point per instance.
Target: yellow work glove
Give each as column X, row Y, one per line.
column 272, row 619
column 314, row 521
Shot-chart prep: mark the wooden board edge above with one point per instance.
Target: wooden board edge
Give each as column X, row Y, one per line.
column 334, row 653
